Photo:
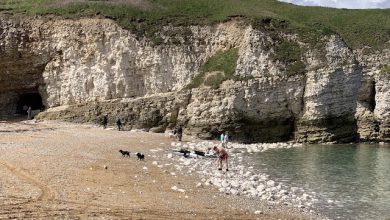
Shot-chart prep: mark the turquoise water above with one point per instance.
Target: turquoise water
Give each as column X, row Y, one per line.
column 349, row 181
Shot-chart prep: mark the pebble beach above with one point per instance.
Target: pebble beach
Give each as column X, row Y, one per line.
column 241, row 180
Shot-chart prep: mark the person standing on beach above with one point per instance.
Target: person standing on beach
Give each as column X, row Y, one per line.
column 180, row 133
column 222, row 137
column 222, row 155
column 29, row 113
column 225, row 140
column 105, row 121
column 118, row 122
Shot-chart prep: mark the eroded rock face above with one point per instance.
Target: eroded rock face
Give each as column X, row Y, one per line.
column 86, row 68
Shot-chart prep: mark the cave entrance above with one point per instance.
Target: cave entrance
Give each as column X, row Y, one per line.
column 29, row 99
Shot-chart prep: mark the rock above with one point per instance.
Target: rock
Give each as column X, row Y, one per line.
column 270, row 183
column 258, row 212
column 235, row 184
column 260, row 188
column 294, row 189
column 254, row 178
column 199, row 185
column 225, row 184
column 283, row 192
column 305, row 196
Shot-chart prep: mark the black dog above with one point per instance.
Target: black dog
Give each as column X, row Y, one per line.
column 125, row 153
column 140, row 156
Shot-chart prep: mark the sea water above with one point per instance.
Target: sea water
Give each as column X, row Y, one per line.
column 350, row 181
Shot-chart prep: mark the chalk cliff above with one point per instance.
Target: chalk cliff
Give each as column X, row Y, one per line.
column 85, row 68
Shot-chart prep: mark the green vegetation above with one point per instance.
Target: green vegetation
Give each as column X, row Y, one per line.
column 287, row 51
column 296, row 68
column 290, row 54
column 385, row 70
column 357, row 27
column 223, row 63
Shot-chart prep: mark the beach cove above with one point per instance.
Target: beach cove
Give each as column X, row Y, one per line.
column 65, row 170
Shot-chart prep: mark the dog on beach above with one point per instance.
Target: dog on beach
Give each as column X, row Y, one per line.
column 124, row 153
column 140, row 156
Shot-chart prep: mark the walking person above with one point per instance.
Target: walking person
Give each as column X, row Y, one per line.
column 29, row 113
column 118, row 122
column 105, row 121
column 180, row 133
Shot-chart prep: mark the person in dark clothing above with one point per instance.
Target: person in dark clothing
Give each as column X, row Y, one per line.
column 179, row 133
column 119, row 122
column 105, row 121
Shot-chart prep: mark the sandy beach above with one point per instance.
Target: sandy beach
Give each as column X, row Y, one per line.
column 70, row 171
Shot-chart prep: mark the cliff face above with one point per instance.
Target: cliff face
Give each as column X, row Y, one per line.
column 85, row 68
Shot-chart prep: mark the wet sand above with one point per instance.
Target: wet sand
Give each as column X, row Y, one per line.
column 58, row 170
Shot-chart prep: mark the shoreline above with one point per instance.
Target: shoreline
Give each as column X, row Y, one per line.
column 241, row 179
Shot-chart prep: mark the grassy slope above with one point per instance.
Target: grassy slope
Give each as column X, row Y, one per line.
column 359, row 28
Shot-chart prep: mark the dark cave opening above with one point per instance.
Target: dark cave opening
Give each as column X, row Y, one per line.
column 371, row 100
column 34, row 100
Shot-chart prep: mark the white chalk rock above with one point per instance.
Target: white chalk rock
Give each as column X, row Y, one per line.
column 235, row 184
column 260, row 188
column 270, row 183
column 258, row 212
column 169, row 155
column 305, row 196
column 254, row 178
column 283, row 192
column 225, row 184
column 234, row 192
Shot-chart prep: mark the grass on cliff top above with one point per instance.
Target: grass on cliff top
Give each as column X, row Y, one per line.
column 357, row 27
column 223, row 63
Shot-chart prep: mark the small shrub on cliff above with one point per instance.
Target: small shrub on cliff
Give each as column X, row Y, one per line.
column 222, row 61
column 214, row 80
column 225, row 61
column 286, row 51
column 296, row 68
column 385, row 70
